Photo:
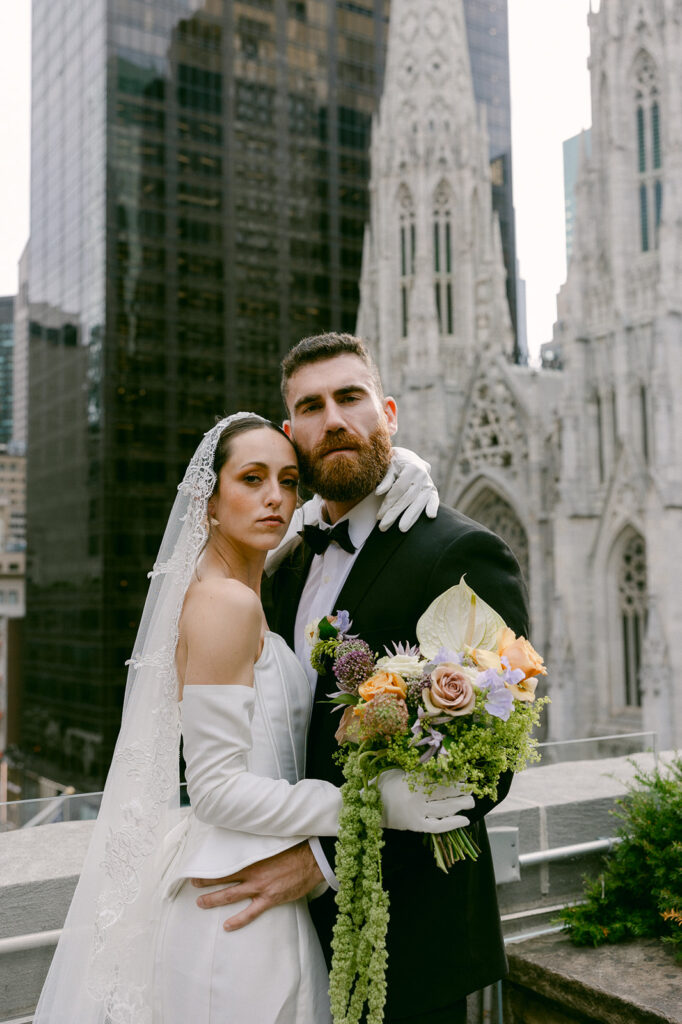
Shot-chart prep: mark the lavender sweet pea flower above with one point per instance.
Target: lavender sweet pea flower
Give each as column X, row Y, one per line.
column 433, row 741
column 431, row 738
column 445, row 655
column 342, row 621
column 500, row 700
column 512, row 676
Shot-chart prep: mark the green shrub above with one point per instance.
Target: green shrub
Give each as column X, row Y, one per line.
column 639, row 893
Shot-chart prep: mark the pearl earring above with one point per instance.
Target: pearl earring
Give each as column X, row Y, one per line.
column 213, row 522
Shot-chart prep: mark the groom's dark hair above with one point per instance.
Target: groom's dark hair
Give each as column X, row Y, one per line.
column 325, row 346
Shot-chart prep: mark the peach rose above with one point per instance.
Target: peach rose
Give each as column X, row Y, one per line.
column 350, row 726
column 451, row 691
column 518, row 652
column 525, row 690
column 383, row 682
column 521, row 654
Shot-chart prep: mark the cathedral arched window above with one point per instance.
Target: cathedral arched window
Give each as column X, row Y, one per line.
column 489, row 508
column 632, row 612
column 407, row 250
column 442, row 258
column 600, row 438
column 644, row 420
column 649, row 158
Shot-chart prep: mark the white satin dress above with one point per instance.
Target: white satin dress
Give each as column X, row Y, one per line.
column 244, row 749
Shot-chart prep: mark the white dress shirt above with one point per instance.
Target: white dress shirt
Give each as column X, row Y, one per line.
column 326, row 577
column 327, row 574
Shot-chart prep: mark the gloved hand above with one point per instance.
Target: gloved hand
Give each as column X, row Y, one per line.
column 417, row 811
column 409, row 491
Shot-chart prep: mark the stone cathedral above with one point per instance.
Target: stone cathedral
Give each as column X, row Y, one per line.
column 578, row 468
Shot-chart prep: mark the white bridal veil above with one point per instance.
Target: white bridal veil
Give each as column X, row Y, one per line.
column 102, row 969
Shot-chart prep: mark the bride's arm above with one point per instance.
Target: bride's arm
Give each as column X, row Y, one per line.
column 221, row 627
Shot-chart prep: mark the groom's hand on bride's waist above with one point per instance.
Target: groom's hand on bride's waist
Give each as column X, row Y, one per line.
column 287, row 876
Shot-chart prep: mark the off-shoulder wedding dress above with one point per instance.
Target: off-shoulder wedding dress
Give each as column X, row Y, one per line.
column 244, row 749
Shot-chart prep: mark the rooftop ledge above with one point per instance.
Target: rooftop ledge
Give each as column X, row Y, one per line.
column 549, row 811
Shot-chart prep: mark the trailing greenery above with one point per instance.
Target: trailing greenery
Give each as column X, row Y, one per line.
column 639, row 893
column 358, row 974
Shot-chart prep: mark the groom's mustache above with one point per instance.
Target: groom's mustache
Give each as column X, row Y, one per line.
column 341, row 439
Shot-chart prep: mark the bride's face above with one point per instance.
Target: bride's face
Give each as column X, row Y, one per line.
column 257, row 490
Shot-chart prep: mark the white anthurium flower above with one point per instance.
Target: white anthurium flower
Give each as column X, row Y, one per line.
column 458, row 619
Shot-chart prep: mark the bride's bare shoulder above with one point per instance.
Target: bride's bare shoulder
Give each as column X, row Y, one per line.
column 220, row 632
column 229, row 599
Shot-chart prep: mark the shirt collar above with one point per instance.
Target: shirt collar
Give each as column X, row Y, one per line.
column 362, row 518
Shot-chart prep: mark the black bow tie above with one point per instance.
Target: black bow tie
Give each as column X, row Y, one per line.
column 319, row 540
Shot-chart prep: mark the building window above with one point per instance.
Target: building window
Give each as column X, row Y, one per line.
column 644, row 418
column 648, row 138
column 632, row 610
column 600, row 439
column 489, row 508
column 442, row 258
column 408, row 246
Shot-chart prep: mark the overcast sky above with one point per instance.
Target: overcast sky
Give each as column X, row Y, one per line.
column 550, row 102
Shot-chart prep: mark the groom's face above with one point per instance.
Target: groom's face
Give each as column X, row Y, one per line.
column 341, row 428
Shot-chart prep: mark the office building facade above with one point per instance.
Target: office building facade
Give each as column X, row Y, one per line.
column 199, row 195
column 6, row 364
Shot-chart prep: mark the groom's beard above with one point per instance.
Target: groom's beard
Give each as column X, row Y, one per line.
column 346, row 477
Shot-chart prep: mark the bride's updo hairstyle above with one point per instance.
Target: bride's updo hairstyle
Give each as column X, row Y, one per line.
column 241, row 426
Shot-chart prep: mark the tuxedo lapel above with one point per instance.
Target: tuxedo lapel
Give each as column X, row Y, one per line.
column 376, row 551
column 290, row 578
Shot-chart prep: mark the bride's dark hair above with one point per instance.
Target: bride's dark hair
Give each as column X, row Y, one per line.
column 232, row 430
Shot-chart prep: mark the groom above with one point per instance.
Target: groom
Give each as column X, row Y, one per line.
column 444, row 937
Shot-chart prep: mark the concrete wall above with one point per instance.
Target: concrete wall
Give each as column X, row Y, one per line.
column 551, row 806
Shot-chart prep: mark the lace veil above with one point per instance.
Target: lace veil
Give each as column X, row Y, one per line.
column 102, row 969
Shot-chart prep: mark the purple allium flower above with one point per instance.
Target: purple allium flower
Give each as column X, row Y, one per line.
column 354, row 663
column 384, row 715
column 413, row 696
column 500, row 700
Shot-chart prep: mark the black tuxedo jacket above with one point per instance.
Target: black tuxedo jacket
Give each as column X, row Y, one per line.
column 444, row 937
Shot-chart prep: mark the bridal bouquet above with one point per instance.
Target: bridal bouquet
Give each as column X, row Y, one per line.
column 458, row 710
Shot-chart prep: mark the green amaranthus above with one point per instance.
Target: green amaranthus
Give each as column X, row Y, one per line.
column 358, row 973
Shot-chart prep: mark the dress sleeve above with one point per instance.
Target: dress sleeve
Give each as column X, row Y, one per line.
column 216, row 725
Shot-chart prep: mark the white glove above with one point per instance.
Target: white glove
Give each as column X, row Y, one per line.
column 409, row 491
column 216, row 727
column 418, row 811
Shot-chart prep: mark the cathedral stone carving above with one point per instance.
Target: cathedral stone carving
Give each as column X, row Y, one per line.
column 579, row 468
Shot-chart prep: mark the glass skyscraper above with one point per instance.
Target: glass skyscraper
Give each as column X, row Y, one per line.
column 198, row 201
column 488, row 38
column 6, row 366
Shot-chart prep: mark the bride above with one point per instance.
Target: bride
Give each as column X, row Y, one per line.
column 135, row 946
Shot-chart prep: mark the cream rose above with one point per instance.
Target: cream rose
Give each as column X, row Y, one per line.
column 409, row 666
column 451, row 691
column 312, row 632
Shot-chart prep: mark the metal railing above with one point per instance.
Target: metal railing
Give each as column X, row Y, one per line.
column 602, row 739
column 17, row 943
